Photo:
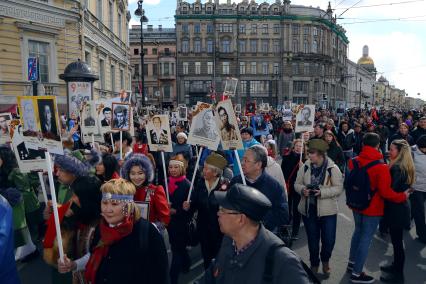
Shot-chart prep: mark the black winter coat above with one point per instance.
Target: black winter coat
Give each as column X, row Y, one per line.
column 398, row 135
column 416, row 133
column 397, row 215
column 358, row 142
column 347, row 141
column 178, row 226
column 335, row 153
column 207, row 207
column 127, row 262
column 290, row 166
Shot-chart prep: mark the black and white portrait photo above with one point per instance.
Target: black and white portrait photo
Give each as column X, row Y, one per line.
column 107, row 117
column 206, row 126
column 121, row 116
column 340, row 108
column 305, row 118
column 183, row 113
column 48, row 121
column 89, row 119
column 226, row 121
column 203, row 130
column 159, row 137
column 158, row 134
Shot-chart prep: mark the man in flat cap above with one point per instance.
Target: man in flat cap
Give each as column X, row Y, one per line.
column 249, row 252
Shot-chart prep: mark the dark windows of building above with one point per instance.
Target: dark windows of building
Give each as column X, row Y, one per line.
column 294, row 29
column 300, row 87
column 210, row 46
column 295, row 45
column 136, row 51
column 197, row 46
column 197, row 28
column 226, row 45
column 185, row 46
column 253, row 45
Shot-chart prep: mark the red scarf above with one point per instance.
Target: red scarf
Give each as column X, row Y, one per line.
column 50, row 235
column 109, row 236
column 172, row 183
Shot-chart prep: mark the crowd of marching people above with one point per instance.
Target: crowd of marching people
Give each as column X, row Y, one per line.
column 123, row 217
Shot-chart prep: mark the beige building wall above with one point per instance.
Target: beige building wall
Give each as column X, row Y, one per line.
column 106, row 45
column 34, row 28
column 53, row 30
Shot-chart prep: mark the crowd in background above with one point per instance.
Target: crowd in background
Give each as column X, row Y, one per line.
column 102, row 196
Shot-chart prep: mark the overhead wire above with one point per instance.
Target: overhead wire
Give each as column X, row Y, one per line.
column 379, row 5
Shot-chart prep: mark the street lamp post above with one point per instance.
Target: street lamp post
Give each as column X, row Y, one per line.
column 143, row 19
column 360, row 93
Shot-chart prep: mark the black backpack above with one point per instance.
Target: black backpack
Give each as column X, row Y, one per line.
column 269, row 266
column 357, row 185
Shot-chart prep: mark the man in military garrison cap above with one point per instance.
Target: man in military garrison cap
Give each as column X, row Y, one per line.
column 250, row 254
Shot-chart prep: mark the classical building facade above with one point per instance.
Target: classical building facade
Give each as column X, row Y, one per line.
column 277, row 51
column 59, row 32
column 160, row 64
column 106, row 45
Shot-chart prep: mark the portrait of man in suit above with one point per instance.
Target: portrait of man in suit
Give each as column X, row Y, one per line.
column 305, row 116
column 88, row 120
column 107, row 116
column 47, row 119
column 158, row 134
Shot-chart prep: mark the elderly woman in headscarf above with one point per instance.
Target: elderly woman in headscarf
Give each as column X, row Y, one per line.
column 139, row 170
column 125, row 247
column 204, row 201
column 178, row 186
column 181, row 146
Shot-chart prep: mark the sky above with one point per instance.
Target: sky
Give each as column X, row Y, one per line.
column 394, row 30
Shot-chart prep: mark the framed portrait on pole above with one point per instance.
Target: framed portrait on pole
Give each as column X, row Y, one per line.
column 158, row 132
column 227, row 123
column 120, row 116
column 203, row 128
column 305, row 118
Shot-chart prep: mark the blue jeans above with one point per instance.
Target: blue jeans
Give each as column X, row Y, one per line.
column 365, row 227
column 320, row 228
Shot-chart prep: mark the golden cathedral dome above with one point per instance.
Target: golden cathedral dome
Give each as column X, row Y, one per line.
column 365, row 60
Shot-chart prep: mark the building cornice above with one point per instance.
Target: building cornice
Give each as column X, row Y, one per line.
column 335, row 28
column 39, row 28
column 37, row 12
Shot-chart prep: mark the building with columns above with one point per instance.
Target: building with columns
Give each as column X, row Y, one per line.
column 277, row 51
column 361, row 77
column 59, row 32
column 160, row 64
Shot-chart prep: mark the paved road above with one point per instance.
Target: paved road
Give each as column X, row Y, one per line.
column 37, row 272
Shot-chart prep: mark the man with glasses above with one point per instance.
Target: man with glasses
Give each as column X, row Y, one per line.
column 253, row 164
column 249, row 252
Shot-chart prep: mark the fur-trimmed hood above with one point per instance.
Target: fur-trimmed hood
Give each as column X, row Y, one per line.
column 138, row 160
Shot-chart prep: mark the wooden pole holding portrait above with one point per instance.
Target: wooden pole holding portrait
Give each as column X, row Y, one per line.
column 165, row 176
column 194, row 174
column 55, row 206
column 43, row 186
column 243, row 178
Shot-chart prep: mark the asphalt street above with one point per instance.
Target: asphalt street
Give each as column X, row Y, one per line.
column 37, row 272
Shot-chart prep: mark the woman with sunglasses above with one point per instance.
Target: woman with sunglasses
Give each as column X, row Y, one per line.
column 397, row 215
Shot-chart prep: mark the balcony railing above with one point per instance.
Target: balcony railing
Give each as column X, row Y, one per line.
column 167, row 54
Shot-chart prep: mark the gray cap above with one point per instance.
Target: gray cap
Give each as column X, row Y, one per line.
column 244, row 199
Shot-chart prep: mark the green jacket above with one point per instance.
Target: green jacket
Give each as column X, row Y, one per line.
column 25, row 184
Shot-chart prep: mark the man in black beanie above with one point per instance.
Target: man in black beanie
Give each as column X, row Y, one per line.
column 250, row 253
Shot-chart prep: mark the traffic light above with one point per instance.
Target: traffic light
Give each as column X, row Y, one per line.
column 324, row 97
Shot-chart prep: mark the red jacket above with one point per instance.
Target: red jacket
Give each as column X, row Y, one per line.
column 380, row 180
column 158, row 206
